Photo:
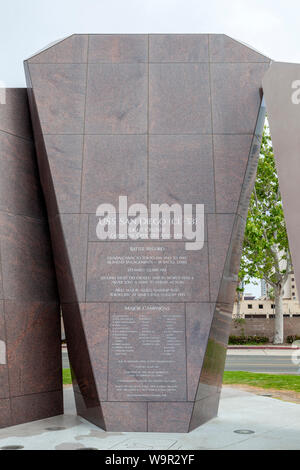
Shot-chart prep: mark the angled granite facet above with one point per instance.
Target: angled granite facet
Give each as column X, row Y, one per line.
column 160, row 119
column 30, row 349
column 282, row 93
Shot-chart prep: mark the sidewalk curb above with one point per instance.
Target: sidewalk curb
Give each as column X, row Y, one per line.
column 249, row 347
column 262, row 347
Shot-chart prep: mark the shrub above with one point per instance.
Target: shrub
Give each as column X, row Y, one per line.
column 290, row 339
column 248, row 339
column 238, row 321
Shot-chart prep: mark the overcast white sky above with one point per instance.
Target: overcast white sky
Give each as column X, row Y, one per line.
column 270, row 26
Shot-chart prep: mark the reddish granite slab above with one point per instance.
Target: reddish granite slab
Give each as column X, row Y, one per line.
column 30, row 369
column 162, row 119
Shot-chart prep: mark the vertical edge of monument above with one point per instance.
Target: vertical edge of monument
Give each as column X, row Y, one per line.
column 30, row 341
column 282, row 93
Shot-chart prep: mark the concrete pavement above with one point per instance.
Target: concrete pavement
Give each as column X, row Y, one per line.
column 275, row 425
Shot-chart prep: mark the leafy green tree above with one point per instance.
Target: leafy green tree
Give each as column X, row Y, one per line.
column 266, row 253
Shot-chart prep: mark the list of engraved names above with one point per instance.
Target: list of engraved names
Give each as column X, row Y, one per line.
column 147, row 352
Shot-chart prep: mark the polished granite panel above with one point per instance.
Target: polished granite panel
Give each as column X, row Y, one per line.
column 72, row 50
column 95, row 320
column 179, row 99
column 125, row 221
column 43, row 162
column 70, row 230
column 1, row 282
column 219, row 234
column 32, row 349
column 65, row 162
column 30, row 361
column 212, row 372
column 186, row 160
column 19, row 171
column 147, row 353
column 90, row 411
column 5, row 413
column 81, row 367
column 66, row 287
column 27, row 266
column 178, row 48
column 113, row 166
column 165, row 417
column 250, row 176
column 236, row 96
column 111, row 274
column 225, row 49
column 28, row 408
column 230, row 275
column 204, row 410
column 133, row 416
column 59, row 90
column 116, row 99
column 118, row 48
column 4, row 384
column 230, row 169
column 198, row 321
column 164, row 119
column 14, row 113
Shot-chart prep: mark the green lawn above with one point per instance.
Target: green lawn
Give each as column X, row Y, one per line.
column 278, row 382
column 67, row 379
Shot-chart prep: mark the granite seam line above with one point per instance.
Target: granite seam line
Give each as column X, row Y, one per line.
column 139, row 241
column 84, row 127
column 212, row 126
column 149, row 401
column 86, row 254
column 6, row 341
column 147, row 416
column 41, row 220
column 191, row 134
column 36, row 393
column 121, row 213
column 212, row 133
column 150, row 63
column 186, row 353
column 148, row 143
column 141, row 302
column 159, row 400
column 29, row 141
column 108, row 346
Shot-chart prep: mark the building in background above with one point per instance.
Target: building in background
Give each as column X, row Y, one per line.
column 264, row 307
column 263, row 288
